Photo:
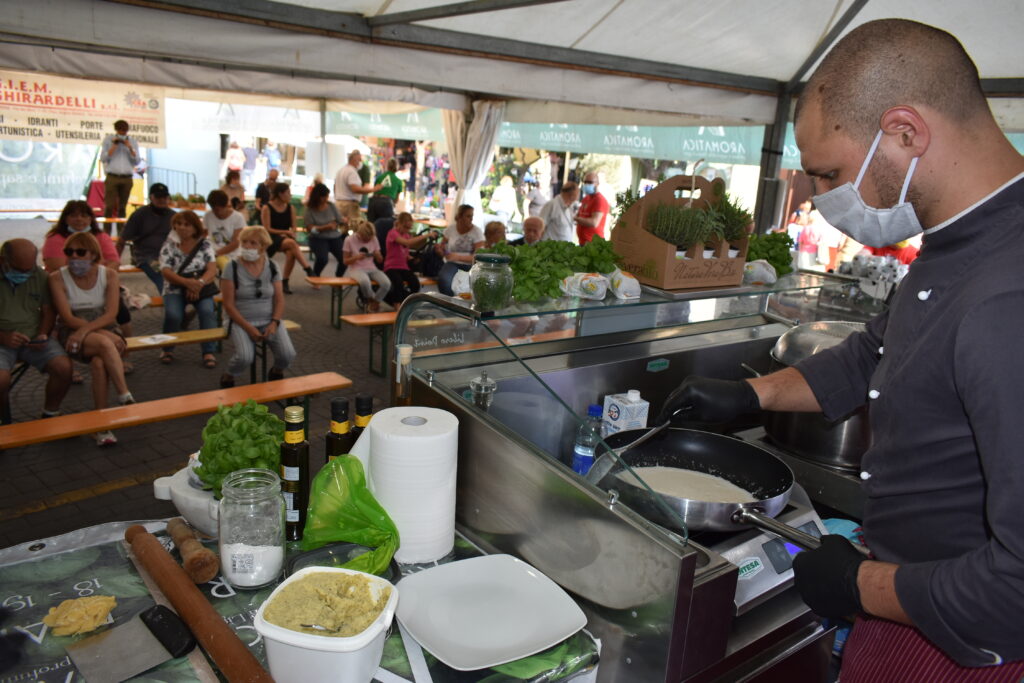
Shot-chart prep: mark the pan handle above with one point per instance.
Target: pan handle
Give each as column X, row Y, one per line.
column 762, row 521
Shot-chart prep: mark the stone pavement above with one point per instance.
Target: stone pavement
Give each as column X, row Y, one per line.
column 55, row 487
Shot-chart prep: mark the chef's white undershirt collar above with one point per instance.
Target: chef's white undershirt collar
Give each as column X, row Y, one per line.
column 973, row 206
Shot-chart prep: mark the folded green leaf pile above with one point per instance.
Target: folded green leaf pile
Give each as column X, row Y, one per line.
column 539, row 269
column 237, row 437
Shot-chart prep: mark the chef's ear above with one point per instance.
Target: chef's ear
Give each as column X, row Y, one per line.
column 907, row 129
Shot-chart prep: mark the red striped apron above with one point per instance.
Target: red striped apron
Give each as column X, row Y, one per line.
column 882, row 651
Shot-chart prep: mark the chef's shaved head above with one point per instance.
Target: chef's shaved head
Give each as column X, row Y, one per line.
column 891, row 62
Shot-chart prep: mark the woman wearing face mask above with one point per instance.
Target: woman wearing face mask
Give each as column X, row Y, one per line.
column 188, row 264
column 85, row 294
column 77, row 217
column 254, row 303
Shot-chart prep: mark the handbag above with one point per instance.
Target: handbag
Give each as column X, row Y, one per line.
column 208, row 290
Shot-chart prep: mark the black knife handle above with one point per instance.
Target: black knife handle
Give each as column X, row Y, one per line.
column 169, row 629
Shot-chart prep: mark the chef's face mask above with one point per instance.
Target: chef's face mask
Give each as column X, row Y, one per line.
column 844, row 208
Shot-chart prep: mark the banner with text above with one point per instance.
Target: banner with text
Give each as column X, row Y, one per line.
column 43, row 108
column 420, row 125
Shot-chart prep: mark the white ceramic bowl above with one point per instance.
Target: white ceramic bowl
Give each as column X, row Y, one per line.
column 197, row 506
column 296, row 657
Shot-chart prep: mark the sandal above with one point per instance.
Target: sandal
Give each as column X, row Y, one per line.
column 209, row 361
column 76, row 377
column 166, row 357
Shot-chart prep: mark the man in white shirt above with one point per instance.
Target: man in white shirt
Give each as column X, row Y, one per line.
column 120, row 154
column 559, row 214
column 348, row 187
column 222, row 225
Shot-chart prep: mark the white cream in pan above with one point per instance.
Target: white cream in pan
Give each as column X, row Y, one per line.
column 680, row 483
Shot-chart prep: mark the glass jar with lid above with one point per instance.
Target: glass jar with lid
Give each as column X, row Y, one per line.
column 491, row 281
column 251, row 522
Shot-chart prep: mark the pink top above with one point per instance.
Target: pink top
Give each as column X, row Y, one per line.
column 53, row 247
column 352, row 246
column 396, row 255
column 809, row 238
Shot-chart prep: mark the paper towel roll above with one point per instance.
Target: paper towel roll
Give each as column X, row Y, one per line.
column 413, row 459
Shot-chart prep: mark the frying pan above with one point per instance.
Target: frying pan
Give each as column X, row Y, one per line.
column 743, row 463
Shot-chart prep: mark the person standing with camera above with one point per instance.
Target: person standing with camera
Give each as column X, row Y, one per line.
column 120, row 154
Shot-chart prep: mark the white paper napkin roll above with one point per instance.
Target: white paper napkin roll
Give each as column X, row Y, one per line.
column 413, row 459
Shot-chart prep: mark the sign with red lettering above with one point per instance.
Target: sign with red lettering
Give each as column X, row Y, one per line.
column 45, row 108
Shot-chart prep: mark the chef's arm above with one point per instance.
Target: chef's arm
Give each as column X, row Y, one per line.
column 877, row 584
column 785, row 390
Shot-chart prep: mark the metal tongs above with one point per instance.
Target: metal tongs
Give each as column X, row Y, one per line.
column 607, row 460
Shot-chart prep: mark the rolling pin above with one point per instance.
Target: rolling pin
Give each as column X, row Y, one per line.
column 200, row 563
column 229, row 653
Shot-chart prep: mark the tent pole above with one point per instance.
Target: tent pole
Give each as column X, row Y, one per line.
column 323, row 137
column 766, row 207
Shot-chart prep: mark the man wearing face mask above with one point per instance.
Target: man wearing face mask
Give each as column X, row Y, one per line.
column 26, row 321
column 146, row 229
column 891, row 110
column 593, row 213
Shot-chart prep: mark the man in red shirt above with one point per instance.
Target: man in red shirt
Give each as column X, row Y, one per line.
column 593, row 213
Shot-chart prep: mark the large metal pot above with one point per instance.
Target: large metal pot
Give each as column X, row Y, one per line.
column 838, row 444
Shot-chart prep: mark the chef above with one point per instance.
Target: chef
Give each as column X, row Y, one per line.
column 895, row 132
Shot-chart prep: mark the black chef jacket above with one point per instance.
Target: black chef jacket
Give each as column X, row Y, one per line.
column 943, row 373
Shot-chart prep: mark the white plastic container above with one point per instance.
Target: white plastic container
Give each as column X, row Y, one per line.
column 295, row 657
column 623, row 412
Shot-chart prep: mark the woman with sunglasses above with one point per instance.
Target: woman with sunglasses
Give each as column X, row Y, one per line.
column 188, row 264
column 85, row 295
column 253, row 298
column 76, row 217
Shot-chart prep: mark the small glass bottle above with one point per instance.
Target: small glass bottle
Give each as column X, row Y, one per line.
column 491, row 280
column 340, row 439
column 403, row 375
column 295, row 472
column 251, row 528
column 364, row 411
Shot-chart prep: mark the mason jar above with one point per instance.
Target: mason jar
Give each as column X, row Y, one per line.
column 491, row 281
column 251, row 521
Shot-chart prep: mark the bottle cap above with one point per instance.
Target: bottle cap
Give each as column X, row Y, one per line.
column 364, row 404
column 594, row 410
column 293, row 414
column 633, row 394
column 339, row 409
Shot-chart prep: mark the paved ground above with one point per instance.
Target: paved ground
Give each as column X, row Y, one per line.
column 63, row 485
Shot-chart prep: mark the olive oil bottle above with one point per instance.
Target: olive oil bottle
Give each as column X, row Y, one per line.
column 364, row 411
column 341, row 437
column 295, row 472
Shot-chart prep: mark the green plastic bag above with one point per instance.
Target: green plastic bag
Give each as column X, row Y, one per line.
column 341, row 508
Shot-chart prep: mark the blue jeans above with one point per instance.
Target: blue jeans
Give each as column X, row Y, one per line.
column 174, row 311
column 153, row 274
column 322, row 248
column 447, row 274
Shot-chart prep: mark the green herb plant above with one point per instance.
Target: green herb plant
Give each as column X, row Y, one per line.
column 538, row 269
column 239, row 436
column 775, row 248
column 730, row 218
column 681, row 225
column 624, row 200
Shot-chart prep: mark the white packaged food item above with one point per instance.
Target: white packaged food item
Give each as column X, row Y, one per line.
column 623, row 285
column 460, row 284
column 585, row 285
column 623, row 412
column 759, row 272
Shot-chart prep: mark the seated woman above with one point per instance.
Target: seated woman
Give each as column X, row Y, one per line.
column 233, row 187
column 278, row 219
column 326, row 231
column 254, row 303
column 396, row 260
column 362, row 253
column 85, row 295
column 78, row 216
column 188, row 264
column 458, row 246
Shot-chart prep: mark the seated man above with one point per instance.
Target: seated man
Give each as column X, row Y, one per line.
column 26, row 320
column 533, row 232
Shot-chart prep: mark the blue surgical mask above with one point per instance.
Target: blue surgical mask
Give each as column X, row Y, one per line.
column 85, row 229
column 17, row 277
column 589, row 188
column 844, row 208
column 79, row 266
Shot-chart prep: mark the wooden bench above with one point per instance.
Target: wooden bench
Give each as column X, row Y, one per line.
column 128, row 268
column 339, row 289
column 64, row 426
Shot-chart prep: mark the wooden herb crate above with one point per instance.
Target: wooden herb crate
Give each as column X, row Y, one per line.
column 656, row 262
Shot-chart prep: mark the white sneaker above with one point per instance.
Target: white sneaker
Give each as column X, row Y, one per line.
column 127, row 399
column 106, row 438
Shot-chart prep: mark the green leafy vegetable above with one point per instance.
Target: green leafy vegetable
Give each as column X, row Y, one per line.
column 239, row 436
column 681, row 225
column 538, row 269
column 775, row 248
column 730, row 218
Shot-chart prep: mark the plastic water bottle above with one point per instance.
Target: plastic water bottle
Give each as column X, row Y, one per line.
column 587, row 438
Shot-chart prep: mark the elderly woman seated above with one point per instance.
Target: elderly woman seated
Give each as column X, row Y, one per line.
column 254, row 302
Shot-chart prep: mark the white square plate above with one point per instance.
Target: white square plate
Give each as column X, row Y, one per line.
column 485, row 611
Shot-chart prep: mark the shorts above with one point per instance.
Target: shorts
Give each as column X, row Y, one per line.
column 64, row 332
column 38, row 358
column 275, row 245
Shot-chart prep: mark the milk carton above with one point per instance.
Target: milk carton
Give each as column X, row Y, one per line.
column 623, row 412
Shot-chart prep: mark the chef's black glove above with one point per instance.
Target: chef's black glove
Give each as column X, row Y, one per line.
column 827, row 577
column 703, row 399
column 11, row 644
